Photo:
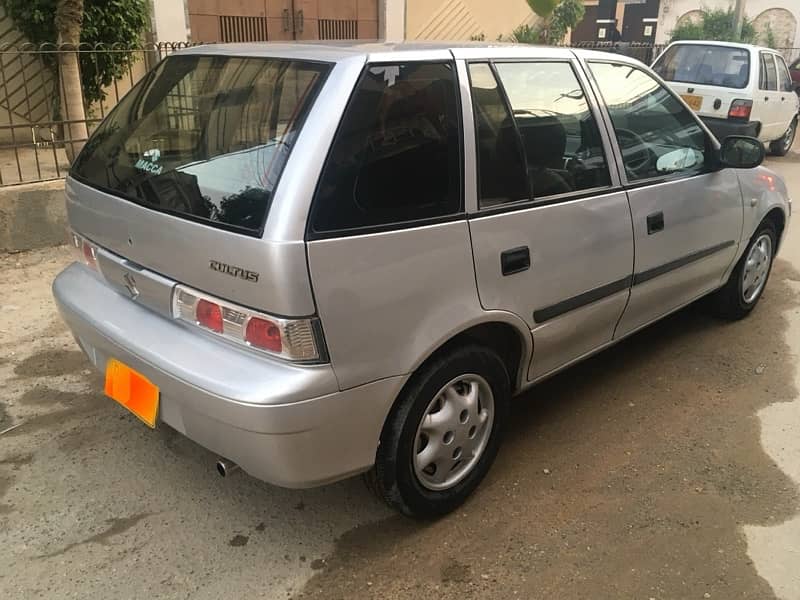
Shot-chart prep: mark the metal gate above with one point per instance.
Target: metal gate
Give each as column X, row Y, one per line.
column 281, row 20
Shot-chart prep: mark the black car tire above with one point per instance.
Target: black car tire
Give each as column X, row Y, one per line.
column 393, row 478
column 781, row 147
column 728, row 301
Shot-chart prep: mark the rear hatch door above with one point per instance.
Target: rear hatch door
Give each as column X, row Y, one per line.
column 179, row 178
column 707, row 77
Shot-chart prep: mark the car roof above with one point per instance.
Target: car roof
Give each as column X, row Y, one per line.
column 378, row 51
column 729, row 44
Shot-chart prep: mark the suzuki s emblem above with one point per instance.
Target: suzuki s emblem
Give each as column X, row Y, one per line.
column 130, row 285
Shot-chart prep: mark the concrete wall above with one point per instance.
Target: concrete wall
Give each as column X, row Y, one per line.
column 32, row 216
column 170, row 21
column 461, row 19
column 392, row 20
column 783, row 16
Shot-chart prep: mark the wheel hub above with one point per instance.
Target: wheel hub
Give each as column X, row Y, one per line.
column 454, row 432
column 756, row 268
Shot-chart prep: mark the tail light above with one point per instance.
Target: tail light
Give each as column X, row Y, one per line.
column 85, row 251
column 298, row 340
column 740, row 109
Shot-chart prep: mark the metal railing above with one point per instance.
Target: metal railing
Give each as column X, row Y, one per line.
column 35, row 115
column 35, row 119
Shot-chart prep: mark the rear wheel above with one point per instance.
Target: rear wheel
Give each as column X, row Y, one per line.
column 781, row 147
column 746, row 284
column 443, row 433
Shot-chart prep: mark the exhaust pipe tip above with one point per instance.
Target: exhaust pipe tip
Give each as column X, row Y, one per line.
column 226, row 467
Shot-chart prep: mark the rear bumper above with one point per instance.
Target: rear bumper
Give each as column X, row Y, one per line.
column 722, row 128
column 288, row 425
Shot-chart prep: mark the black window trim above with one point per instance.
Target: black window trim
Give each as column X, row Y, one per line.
column 254, row 233
column 311, row 234
column 534, row 201
column 709, row 166
column 545, row 201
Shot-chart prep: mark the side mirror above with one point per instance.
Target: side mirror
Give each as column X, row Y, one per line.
column 741, row 152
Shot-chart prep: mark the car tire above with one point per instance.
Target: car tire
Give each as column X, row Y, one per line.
column 781, row 147
column 437, row 394
column 737, row 298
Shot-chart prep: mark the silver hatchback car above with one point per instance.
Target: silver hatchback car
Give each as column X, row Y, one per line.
column 325, row 260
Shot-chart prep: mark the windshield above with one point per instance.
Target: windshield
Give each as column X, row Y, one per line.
column 707, row 65
column 204, row 137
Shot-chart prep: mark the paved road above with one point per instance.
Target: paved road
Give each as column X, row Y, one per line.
column 666, row 467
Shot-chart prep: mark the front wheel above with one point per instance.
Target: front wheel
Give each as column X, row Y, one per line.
column 443, row 433
column 746, row 284
column 781, row 147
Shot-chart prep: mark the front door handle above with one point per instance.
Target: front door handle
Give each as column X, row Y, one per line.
column 655, row 223
column 515, row 260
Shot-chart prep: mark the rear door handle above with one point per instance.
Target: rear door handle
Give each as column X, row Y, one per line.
column 515, row 260
column 655, row 223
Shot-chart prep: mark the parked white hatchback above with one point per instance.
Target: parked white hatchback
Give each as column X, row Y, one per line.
column 736, row 89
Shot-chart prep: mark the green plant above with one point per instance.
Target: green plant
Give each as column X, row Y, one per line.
column 525, row 34
column 106, row 23
column 558, row 17
column 715, row 24
column 543, row 8
column 566, row 15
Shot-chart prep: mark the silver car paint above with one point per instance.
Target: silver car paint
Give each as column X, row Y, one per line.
column 700, row 213
column 282, row 423
column 386, row 300
column 181, row 250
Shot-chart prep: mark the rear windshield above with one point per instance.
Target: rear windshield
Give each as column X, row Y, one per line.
column 204, row 137
column 708, row 65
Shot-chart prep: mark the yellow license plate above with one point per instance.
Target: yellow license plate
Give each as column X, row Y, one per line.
column 694, row 102
column 133, row 390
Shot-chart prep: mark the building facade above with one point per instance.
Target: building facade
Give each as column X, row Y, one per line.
column 652, row 21
column 779, row 16
column 271, row 20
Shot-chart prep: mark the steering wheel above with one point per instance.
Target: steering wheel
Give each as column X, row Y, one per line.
column 635, row 152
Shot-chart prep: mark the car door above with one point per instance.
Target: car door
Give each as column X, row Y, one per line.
column 767, row 99
column 551, row 232
column 687, row 215
column 788, row 99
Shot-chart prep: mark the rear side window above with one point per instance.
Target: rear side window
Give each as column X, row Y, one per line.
column 396, row 157
column 784, row 79
column 768, row 78
column 721, row 66
column 204, row 137
column 502, row 174
column 561, row 142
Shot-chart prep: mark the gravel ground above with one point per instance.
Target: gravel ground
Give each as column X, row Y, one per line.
column 661, row 468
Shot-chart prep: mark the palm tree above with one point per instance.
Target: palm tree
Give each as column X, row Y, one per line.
column 68, row 20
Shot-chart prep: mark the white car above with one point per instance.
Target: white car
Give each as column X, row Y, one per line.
column 736, row 89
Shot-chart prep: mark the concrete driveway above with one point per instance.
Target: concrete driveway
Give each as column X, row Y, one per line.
column 666, row 467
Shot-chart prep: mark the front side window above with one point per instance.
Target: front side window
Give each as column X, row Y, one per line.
column 657, row 135
column 722, row 66
column 784, row 79
column 768, row 79
column 396, row 157
column 204, row 137
column 561, row 142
